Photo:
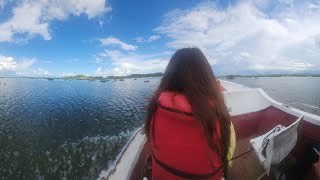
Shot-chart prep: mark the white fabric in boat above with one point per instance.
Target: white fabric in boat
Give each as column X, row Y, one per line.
column 272, row 147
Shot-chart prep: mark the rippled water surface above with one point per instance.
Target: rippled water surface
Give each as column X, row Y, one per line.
column 74, row 129
column 70, row 129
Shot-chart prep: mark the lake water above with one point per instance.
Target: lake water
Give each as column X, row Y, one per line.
column 74, row 129
column 298, row 92
column 71, row 129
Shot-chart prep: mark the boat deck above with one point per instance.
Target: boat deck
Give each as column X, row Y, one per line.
column 253, row 113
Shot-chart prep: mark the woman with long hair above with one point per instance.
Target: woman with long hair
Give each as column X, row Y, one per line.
column 188, row 124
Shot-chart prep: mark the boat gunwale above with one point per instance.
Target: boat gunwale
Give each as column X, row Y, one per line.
column 112, row 169
column 309, row 117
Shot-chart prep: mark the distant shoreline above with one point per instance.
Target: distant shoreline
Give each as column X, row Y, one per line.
column 159, row 74
column 93, row 78
column 271, row 75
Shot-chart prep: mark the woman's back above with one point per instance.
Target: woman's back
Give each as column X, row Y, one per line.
column 180, row 144
column 188, row 125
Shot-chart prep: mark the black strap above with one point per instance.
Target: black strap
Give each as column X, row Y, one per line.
column 182, row 174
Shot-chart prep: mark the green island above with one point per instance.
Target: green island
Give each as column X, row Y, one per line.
column 105, row 79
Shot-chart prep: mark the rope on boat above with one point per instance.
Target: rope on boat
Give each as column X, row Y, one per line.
column 238, row 156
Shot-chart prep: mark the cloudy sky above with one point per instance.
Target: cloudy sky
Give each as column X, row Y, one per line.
column 118, row 37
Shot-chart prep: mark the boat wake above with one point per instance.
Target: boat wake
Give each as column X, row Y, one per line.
column 82, row 159
column 112, row 165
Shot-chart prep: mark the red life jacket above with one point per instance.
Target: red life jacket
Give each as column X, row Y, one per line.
column 179, row 148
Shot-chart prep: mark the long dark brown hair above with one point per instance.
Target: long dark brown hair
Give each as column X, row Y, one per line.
column 190, row 73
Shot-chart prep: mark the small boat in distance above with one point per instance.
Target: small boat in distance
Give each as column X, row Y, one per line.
column 49, row 79
column 253, row 114
column 104, row 81
column 230, row 77
column 121, row 79
column 146, row 81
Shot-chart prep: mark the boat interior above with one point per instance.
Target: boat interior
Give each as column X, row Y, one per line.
column 298, row 165
column 253, row 113
column 245, row 164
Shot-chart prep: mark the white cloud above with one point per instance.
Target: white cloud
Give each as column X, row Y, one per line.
column 139, row 39
column 68, row 74
column 37, row 72
column 283, row 66
column 97, row 59
column 9, row 64
column 74, row 60
column 113, row 55
column 98, row 71
column 102, row 72
column 153, row 38
column 101, row 23
column 149, row 39
column 40, row 72
column 33, row 17
column 139, row 67
column 131, row 63
column 117, row 42
column 3, row 3
column 251, row 35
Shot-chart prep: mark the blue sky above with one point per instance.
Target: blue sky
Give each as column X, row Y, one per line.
column 118, row 37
